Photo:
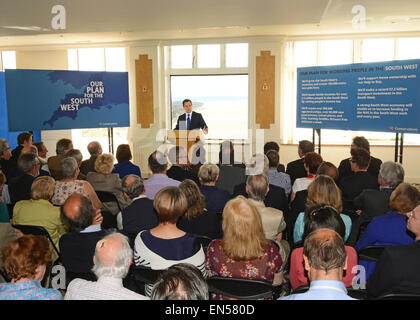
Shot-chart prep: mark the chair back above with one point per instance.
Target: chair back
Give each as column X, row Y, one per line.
column 204, row 241
column 399, row 296
column 371, row 253
column 106, row 196
column 109, row 220
column 245, row 289
column 145, row 275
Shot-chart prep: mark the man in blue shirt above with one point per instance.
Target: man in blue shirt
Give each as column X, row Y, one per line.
column 325, row 260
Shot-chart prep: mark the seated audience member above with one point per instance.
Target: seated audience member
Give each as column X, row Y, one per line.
column 276, row 196
column 8, row 166
column 296, row 168
column 345, row 167
column 34, row 150
column 311, row 162
column 272, row 145
column 158, row 164
column 7, row 233
column 244, row 252
column 140, row 214
column 69, row 185
column 78, row 156
column 352, row 186
column 197, row 220
column 124, row 166
column 24, row 141
column 38, row 211
column 25, row 261
column 20, row 187
column 77, row 247
column 215, row 198
column 230, row 173
column 325, row 260
column 88, row 165
column 4, row 211
column 111, row 263
column 54, row 162
column 179, row 169
column 322, row 190
column 371, row 203
column 390, row 229
column 274, row 176
column 328, row 169
column 42, row 155
column 272, row 219
column 165, row 245
column 104, row 180
column 320, row 217
column 181, row 281
column 397, row 270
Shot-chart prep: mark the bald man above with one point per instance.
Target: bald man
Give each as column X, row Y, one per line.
column 95, row 150
column 77, row 247
column 112, row 260
column 325, row 260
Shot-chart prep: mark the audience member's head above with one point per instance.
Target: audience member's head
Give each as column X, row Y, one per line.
column 181, row 281
column 113, row 256
column 327, row 168
column 77, row 212
column 42, row 188
column 94, row 148
column 208, row 174
column 324, row 255
column 76, row 154
column 123, row 153
column 323, row 216
column 258, row 164
column 42, row 149
column 63, row 145
column 323, row 190
column 226, row 153
column 404, row 198
column 24, row 139
column 30, row 148
column 273, row 158
column 257, row 187
column 68, row 167
column 132, row 185
column 5, row 150
column 304, row 147
column 271, row 145
column 413, row 222
column 158, row 162
column 243, row 235
column 195, row 199
column 390, row 174
column 360, row 142
column 26, row 258
column 312, row 162
column 170, row 204
column 178, row 155
column 104, row 163
column 29, row 163
column 360, row 159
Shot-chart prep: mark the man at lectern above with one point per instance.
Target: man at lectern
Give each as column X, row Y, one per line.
column 190, row 120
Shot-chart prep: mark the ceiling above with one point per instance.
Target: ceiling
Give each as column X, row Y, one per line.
column 28, row 22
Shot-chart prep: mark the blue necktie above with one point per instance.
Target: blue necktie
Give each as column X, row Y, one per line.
column 188, row 122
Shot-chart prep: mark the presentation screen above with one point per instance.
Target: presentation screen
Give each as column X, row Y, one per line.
column 53, row 100
column 380, row 96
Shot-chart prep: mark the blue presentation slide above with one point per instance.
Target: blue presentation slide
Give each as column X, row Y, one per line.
column 53, row 100
column 380, row 96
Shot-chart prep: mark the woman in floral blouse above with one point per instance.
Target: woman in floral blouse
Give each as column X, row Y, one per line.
column 243, row 252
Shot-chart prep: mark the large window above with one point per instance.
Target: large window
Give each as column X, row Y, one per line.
column 7, row 60
column 333, row 52
column 97, row 59
column 215, row 78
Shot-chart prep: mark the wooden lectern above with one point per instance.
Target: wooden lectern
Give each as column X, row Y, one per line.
column 185, row 138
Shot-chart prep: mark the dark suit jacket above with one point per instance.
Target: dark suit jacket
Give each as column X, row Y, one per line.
column 179, row 173
column 296, row 169
column 20, row 188
column 9, row 168
column 215, row 198
column 139, row 215
column 396, row 271
column 207, row 224
column 77, row 250
column 88, row 165
column 229, row 177
column 344, row 169
column 197, row 122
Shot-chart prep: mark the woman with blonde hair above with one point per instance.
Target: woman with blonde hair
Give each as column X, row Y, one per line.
column 197, row 220
column 243, row 252
column 104, row 180
column 322, row 190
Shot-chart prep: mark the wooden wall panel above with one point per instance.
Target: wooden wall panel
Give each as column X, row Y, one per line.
column 144, row 91
column 264, row 93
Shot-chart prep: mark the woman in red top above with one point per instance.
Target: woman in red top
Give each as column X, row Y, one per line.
column 244, row 252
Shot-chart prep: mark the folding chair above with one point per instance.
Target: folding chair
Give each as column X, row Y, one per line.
column 243, row 289
column 106, row 196
column 399, row 296
column 371, row 253
column 204, row 241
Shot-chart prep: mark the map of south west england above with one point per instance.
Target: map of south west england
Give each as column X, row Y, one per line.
column 68, row 99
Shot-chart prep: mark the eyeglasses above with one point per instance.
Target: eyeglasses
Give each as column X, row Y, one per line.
column 317, row 210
